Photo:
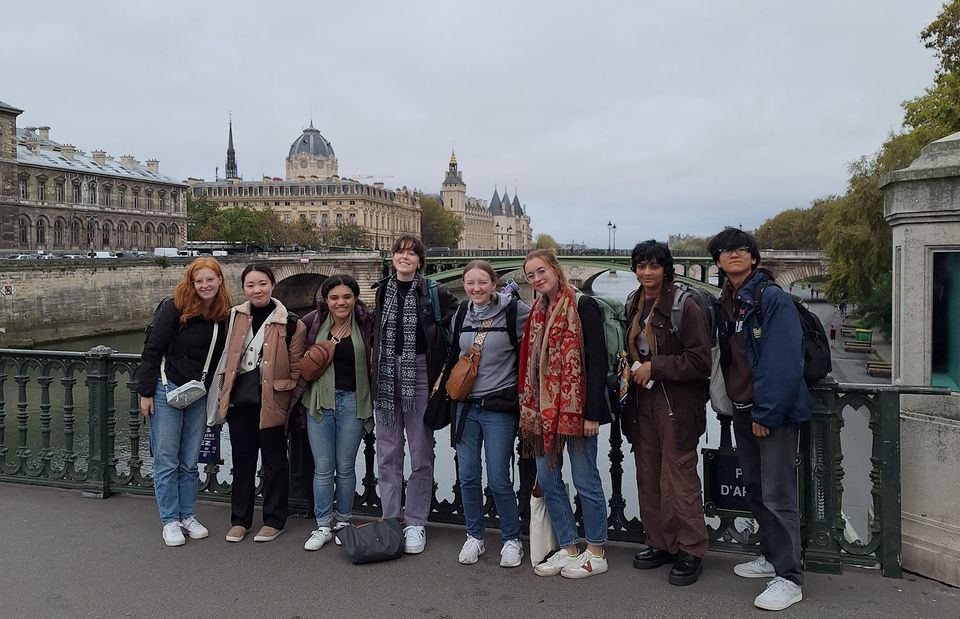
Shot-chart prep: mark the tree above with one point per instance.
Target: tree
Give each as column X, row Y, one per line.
column 545, row 241
column 347, row 235
column 202, row 219
column 438, row 227
column 245, row 225
column 796, row 228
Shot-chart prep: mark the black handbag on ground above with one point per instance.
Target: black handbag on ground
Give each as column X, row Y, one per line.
column 246, row 389
column 372, row 542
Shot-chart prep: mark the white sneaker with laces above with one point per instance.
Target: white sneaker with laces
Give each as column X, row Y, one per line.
column 471, row 551
column 780, row 593
column 172, row 535
column 414, row 539
column 193, row 527
column 318, row 538
column 555, row 563
column 586, row 565
column 758, row 568
column 511, row 554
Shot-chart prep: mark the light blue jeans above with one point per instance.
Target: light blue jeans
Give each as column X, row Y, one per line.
column 496, row 433
column 175, row 436
column 334, row 441
column 582, row 453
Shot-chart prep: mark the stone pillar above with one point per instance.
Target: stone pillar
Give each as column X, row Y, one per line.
column 922, row 205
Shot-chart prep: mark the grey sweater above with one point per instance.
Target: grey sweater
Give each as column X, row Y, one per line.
column 498, row 369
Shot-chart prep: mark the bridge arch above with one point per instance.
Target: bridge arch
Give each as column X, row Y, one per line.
column 799, row 273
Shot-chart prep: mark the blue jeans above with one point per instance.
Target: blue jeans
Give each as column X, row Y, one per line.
column 334, row 441
column 175, row 436
column 586, row 479
column 496, row 433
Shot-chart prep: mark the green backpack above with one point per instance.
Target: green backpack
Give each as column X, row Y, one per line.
column 614, row 335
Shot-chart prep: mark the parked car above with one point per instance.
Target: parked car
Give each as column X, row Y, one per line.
column 22, row 257
column 102, row 255
column 438, row 251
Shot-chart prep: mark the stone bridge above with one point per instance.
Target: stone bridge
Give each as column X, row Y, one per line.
column 54, row 300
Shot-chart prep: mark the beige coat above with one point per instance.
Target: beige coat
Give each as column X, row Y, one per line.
column 278, row 367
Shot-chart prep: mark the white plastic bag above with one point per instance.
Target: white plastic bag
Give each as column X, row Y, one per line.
column 543, row 541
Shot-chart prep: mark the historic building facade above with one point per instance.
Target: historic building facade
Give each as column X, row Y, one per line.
column 55, row 198
column 503, row 224
column 314, row 191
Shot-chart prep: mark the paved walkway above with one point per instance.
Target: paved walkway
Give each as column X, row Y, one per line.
column 65, row 556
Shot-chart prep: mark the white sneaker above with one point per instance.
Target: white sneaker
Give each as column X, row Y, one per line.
column 555, row 563
column 758, row 568
column 340, row 525
column 414, row 539
column 511, row 554
column 471, row 551
column 194, row 529
column 318, row 538
column 172, row 535
column 586, row 565
column 780, row 593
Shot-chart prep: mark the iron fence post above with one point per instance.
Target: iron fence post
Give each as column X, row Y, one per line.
column 890, row 507
column 97, row 485
column 823, row 470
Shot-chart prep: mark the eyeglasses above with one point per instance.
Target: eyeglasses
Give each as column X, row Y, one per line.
column 541, row 272
column 740, row 251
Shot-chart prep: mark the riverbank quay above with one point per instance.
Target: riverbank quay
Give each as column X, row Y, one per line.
column 65, row 556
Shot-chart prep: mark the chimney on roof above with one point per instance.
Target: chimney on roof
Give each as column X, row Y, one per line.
column 153, row 165
column 127, row 161
column 44, row 133
column 30, row 131
column 99, row 156
column 68, row 151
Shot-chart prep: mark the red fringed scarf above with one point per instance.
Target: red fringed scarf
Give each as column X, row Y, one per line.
column 552, row 380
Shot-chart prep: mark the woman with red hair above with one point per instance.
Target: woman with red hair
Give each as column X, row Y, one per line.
column 188, row 332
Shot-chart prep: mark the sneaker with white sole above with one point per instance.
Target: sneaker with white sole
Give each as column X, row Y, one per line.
column 758, row 568
column 236, row 534
column 511, row 554
column 586, row 565
column 318, row 538
column 555, row 563
column 267, row 534
column 342, row 524
column 780, row 593
column 172, row 535
column 193, row 527
column 471, row 551
column 414, row 539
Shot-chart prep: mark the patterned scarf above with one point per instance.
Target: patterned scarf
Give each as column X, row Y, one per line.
column 552, row 379
column 633, row 334
column 386, row 415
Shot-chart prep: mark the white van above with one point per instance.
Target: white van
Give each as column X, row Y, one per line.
column 102, row 254
column 188, row 253
column 168, row 252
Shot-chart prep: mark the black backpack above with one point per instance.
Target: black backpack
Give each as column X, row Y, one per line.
column 816, row 347
column 156, row 312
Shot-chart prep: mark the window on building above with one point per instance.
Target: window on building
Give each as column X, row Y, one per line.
column 121, row 236
column 121, row 197
column 76, row 193
column 23, row 189
column 324, row 220
column 313, row 218
column 136, row 199
column 92, row 195
column 41, row 233
column 23, row 232
column 353, row 218
column 339, row 219
column 105, row 235
column 149, row 202
column 105, row 197
column 75, row 233
column 134, row 237
column 60, row 191
column 58, row 233
column 162, row 199
column 41, row 190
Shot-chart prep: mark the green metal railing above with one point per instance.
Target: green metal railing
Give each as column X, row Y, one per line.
column 67, row 431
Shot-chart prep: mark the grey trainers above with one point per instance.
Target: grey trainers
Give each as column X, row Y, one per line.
column 511, row 554
column 780, row 593
column 471, row 551
column 172, row 535
column 193, row 528
column 414, row 539
column 758, row 568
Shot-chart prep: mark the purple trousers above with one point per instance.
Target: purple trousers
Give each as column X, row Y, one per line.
column 390, row 454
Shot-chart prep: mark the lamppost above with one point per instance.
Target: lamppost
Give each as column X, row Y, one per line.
column 609, row 228
column 91, row 233
column 509, row 240
column 614, row 237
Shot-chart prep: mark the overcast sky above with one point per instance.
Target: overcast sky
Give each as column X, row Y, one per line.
column 664, row 117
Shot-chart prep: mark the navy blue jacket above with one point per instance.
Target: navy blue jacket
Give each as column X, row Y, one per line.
column 775, row 352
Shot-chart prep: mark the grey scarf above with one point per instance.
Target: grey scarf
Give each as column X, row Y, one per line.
column 386, row 415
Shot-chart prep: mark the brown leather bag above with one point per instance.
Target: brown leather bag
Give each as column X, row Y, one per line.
column 460, row 381
column 316, row 361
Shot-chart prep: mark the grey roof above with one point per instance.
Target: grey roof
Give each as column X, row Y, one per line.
column 313, row 143
column 495, row 203
column 452, row 178
column 506, row 207
column 10, row 108
column 517, row 209
column 49, row 156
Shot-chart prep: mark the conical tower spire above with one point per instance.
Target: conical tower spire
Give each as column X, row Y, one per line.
column 231, row 169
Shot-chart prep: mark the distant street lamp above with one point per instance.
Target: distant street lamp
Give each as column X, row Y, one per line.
column 614, row 237
column 91, row 232
column 609, row 228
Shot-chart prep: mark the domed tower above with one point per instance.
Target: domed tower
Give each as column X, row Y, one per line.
column 311, row 154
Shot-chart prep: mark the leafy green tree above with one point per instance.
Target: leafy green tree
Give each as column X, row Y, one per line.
column 689, row 242
column 438, row 227
column 246, row 225
column 202, row 219
column 796, row 228
column 347, row 235
column 545, row 241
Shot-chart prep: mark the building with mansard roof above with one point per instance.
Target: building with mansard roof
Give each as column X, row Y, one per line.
column 313, row 190
column 501, row 224
column 56, row 198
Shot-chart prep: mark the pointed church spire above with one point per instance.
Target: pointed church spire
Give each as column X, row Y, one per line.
column 231, row 169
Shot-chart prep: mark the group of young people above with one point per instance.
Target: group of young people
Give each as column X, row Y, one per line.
column 542, row 376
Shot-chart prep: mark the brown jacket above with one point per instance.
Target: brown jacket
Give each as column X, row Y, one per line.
column 680, row 369
column 278, row 367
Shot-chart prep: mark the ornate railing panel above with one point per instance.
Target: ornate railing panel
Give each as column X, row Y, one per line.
column 75, row 423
